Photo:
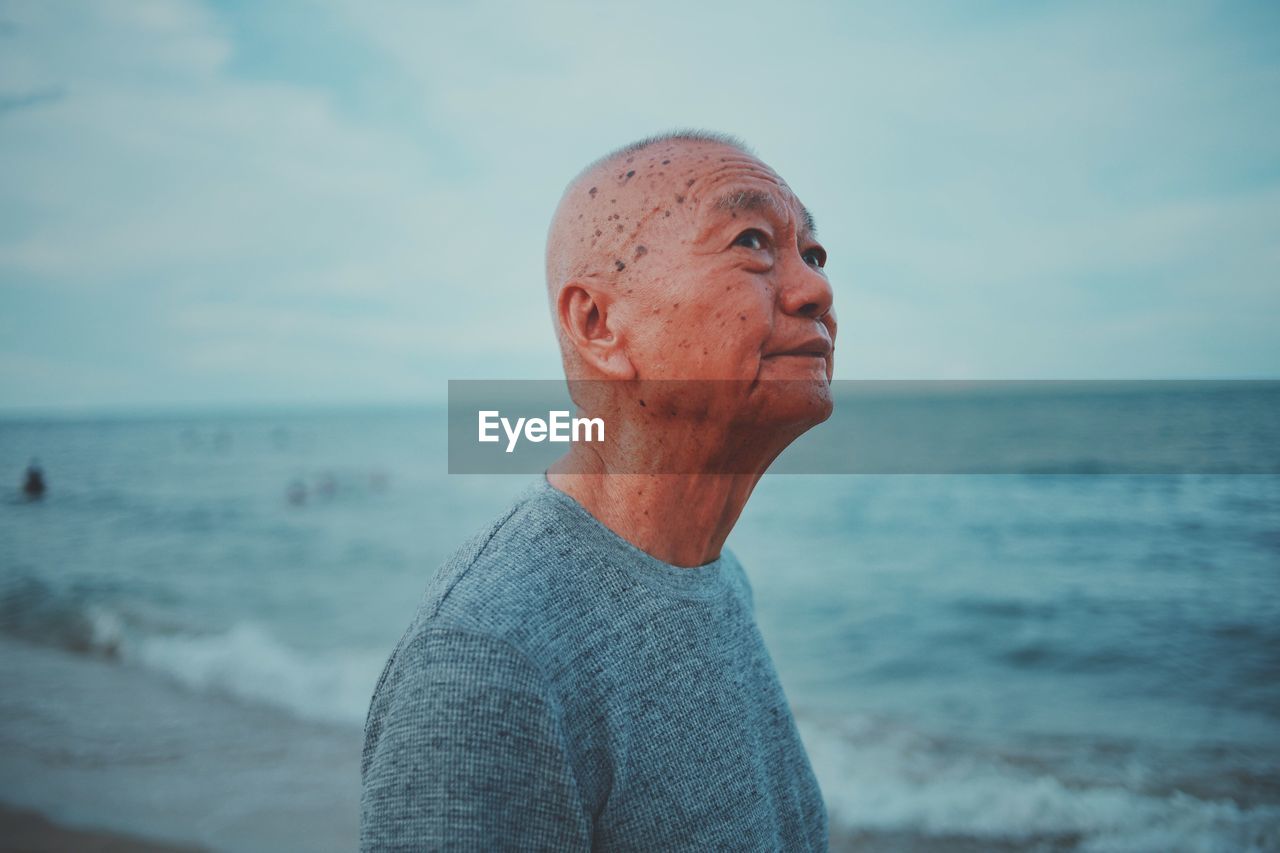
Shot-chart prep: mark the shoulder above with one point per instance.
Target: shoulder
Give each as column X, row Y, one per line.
column 436, row 659
column 509, row 574
column 438, row 669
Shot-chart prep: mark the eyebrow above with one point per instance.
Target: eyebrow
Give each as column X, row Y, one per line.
column 760, row 200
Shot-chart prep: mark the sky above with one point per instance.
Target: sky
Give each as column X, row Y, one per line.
column 210, row 204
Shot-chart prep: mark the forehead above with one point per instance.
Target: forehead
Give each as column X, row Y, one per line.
column 731, row 182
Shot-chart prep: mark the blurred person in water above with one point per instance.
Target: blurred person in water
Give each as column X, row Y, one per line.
column 33, row 482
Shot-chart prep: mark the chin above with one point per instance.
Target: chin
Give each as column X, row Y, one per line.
column 796, row 402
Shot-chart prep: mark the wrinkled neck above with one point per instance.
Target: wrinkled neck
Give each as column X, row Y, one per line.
column 680, row 518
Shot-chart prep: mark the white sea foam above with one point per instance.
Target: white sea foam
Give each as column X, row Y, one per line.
column 882, row 777
column 106, row 629
column 248, row 663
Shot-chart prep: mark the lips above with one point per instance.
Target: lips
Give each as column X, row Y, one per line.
column 815, row 347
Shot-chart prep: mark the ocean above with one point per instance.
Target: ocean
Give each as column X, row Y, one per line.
column 193, row 618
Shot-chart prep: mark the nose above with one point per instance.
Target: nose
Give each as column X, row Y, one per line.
column 805, row 290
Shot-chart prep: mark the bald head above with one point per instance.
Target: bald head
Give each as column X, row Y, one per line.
column 615, row 203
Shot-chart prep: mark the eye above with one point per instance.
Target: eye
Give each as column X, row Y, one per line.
column 752, row 238
column 815, row 257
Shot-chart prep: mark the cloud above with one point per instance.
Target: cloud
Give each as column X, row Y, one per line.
column 27, row 100
column 348, row 201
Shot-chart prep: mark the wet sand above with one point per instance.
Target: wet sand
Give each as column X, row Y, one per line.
column 33, row 833
column 89, row 743
column 914, row 842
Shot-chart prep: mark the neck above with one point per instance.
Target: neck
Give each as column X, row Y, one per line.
column 682, row 519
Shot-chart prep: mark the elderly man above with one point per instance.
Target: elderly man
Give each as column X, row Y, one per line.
column 587, row 673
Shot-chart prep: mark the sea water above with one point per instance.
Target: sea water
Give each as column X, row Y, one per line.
column 193, row 618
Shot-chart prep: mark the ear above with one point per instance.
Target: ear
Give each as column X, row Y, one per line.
column 583, row 313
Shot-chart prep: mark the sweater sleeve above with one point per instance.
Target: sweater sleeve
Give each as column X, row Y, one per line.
column 464, row 750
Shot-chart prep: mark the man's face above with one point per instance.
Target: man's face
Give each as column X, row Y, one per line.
column 732, row 287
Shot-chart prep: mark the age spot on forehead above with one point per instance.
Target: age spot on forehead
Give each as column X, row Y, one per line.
column 619, row 265
column 592, row 192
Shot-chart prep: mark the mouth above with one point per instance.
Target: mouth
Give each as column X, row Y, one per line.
column 813, row 348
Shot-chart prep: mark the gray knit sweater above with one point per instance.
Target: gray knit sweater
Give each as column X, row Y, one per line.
column 562, row 690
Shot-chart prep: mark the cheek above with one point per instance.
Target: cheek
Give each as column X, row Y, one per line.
column 675, row 336
column 717, row 325
column 736, row 324
column 748, row 315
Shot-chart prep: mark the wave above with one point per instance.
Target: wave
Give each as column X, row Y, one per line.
column 880, row 777
column 71, row 619
column 245, row 662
